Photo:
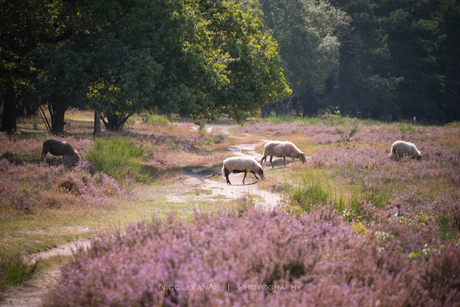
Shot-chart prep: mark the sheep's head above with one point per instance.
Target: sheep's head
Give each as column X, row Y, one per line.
column 261, row 173
column 302, row 157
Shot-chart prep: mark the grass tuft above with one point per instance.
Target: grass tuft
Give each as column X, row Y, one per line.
column 119, row 158
column 154, row 119
column 14, row 270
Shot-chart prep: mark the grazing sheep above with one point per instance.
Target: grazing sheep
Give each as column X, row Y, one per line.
column 58, row 148
column 401, row 148
column 241, row 164
column 282, row 149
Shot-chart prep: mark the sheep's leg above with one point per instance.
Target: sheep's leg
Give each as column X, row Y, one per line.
column 271, row 158
column 43, row 155
column 263, row 159
column 255, row 175
column 244, row 176
column 226, row 176
column 284, row 161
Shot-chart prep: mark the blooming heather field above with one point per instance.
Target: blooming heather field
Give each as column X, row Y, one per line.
column 355, row 227
column 260, row 259
column 389, row 239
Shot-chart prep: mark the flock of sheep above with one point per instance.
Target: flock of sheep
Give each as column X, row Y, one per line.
column 245, row 164
column 288, row 149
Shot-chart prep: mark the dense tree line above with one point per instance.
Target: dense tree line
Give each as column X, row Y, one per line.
column 380, row 59
column 200, row 57
column 399, row 59
column 367, row 58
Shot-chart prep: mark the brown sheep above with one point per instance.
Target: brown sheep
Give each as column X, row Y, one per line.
column 58, row 148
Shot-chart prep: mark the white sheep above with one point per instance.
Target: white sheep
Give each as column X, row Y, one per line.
column 282, row 149
column 241, row 164
column 58, row 148
column 401, row 148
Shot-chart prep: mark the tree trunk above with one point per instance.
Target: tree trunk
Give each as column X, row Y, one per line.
column 286, row 105
column 265, row 111
column 114, row 122
column 97, row 124
column 57, row 108
column 9, row 109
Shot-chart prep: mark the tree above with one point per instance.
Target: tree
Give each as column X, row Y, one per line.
column 448, row 57
column 305, row 32
column 246, row 73
column 363, row 82
column 68, row 60
column 24, row 25
column 203, row 58
column 388, row 65
column 412, row 42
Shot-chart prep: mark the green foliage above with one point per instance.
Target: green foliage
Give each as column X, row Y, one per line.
column 343, row 123
column 154, row 119
column 14, row 270
column 406, row 128
column 445, row 232
column 314, row 189
column 119, row 157
column 335, row 119
column 368, row 190
column 305, row 32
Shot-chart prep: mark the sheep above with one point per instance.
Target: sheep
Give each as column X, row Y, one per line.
column 400, row 148
column 241, row 164
column 282, row 149
column 58, row 148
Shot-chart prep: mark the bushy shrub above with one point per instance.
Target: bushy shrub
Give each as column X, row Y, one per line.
column 29, row 187
column 118, row 157
column 14, row 270
column 154, row 119
column 258, row 259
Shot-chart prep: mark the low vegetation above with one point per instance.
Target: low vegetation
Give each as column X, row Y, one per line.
column 355, row 227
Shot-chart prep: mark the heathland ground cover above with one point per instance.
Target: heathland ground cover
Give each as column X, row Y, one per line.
column 354, row 228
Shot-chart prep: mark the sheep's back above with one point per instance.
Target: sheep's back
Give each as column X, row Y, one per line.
column 240, row 163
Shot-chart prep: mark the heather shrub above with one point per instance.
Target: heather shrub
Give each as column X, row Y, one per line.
column 446, row 209
column 29, row 187
column 258, row 258
column 119, row 158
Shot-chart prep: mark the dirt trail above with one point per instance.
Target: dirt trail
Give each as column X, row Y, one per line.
column 32, row 292
column 236, row 190
column 35, row 290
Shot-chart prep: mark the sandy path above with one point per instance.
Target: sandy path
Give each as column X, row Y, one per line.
column 32, row 292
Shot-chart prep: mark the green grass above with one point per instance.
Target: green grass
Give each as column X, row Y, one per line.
column 319, row 187
column 14, row 270
column 119, row 158
column 327, row 119
column 315, row 188
column 154, row 119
